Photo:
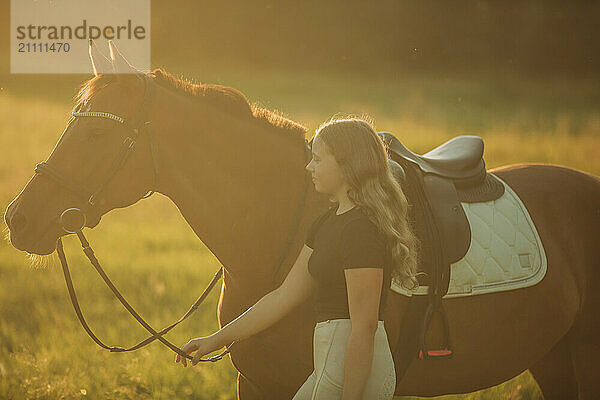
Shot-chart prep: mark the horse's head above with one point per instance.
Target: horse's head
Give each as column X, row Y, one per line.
column 110, row 107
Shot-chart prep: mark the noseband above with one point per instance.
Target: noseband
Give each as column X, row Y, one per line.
column 73, row 220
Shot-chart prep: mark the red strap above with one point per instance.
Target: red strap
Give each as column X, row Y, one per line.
column 439, row 352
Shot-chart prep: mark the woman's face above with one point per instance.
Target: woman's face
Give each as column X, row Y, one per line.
column 326, row 173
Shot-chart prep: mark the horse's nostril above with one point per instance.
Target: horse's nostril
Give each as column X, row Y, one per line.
column 17, row 222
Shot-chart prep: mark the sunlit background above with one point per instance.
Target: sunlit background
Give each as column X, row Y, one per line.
column 523, row 75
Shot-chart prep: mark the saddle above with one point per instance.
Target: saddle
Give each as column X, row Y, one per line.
column 435, row 183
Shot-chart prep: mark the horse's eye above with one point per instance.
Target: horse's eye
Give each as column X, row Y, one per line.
column 96, row 134
column 97, row 131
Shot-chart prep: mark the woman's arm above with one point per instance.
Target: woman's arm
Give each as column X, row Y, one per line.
column 296, row 288
column 364, row 292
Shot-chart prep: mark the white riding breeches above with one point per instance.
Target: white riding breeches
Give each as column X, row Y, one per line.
column 330, row 340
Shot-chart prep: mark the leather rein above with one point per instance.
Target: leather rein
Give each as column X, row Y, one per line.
column 73, row 220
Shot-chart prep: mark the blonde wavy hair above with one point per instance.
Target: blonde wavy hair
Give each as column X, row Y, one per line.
column 363, row 159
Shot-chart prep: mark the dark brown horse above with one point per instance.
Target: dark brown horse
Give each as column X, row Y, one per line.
column 236, row 173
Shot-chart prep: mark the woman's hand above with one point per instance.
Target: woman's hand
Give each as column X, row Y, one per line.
column 203, row 345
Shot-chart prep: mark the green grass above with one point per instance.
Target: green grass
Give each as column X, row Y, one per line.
column 156, row 261
column 44, row 351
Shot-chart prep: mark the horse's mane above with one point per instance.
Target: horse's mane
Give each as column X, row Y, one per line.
column 225, row 98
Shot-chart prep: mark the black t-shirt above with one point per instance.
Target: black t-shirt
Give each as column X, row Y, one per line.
column 348, row 240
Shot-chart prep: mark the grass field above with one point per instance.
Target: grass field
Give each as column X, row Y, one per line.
column 156, row 261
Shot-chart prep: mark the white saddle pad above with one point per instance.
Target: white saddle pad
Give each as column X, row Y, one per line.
column 505, row 252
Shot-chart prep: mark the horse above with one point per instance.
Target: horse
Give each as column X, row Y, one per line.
column 227, row 163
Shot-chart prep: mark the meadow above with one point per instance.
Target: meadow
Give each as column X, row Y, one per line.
column 161, row 267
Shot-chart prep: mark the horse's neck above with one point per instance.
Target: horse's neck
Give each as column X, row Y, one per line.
column 237, row 186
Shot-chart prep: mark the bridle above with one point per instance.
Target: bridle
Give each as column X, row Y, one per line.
column 73, row 220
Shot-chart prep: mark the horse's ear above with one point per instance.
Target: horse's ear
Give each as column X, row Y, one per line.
column 100, row 63
column 120, row 64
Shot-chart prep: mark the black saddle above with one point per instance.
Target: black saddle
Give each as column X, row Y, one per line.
column 459, row 159
column 435, row 184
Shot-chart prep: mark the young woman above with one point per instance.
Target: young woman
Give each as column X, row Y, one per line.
column 352, row 252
